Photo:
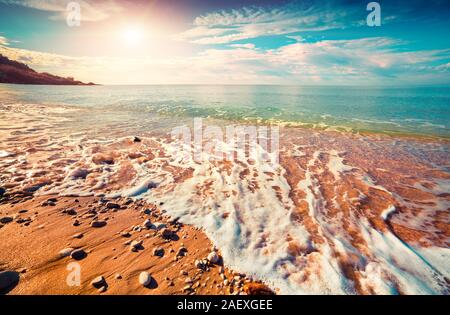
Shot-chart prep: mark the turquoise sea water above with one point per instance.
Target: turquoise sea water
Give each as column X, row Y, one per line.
column 420, row 111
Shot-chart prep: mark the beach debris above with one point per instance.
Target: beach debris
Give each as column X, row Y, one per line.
column 8, row 280
column 158, row 252
column 98, row 282
column 213, row 257
column 78, row 254
column 66, row 252
column 144, row 278
column 5, row 220
column 136, row 139
column 98, row 223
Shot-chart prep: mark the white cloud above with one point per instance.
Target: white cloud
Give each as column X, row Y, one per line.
column 360, row 61
column 90, row 10
column 229, row 26
column 247, row 46
column 3, row 41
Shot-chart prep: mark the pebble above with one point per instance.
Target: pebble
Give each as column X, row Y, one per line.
column 78, row 254
column 2, row 191
column 199, row 264
column 8, row 279
column 166, row 233
column 70, row 212
column 182, row 251
column 125, row 234
column 145, row 278
column 98, row 223
column 98, row 282
column 78, row 235
column 135, row 246
column 112, row 205
column 118, row 276
column 66, row 252
column 158, row 252
column 147, row 224
column 213, row 257
column 5, row 220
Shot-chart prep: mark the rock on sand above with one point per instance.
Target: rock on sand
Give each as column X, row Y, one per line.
column 145, row 278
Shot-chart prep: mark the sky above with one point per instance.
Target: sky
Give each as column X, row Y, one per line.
column 300, row 42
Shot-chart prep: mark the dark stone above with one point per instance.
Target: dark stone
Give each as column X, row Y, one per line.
column 112, row 205
column 8, row 281
column 98, row 224
column 5, row 220
column 78, row 254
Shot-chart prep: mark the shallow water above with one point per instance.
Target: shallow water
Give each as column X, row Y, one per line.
column 420, row 111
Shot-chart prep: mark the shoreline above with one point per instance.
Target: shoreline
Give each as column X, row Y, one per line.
column 338, row 214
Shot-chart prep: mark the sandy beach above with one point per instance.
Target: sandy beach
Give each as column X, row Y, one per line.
column 340, row 213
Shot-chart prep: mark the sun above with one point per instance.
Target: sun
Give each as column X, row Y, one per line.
column 133, row 35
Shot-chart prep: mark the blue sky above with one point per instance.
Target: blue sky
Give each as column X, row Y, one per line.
column 232, row 42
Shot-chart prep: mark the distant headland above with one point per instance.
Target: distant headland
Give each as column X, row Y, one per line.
column 15, row 72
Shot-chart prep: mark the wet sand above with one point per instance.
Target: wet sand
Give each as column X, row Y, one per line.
column 44, row 231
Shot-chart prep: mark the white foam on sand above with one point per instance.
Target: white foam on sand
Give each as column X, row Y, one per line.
column 245, row 208
column 4, row 154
